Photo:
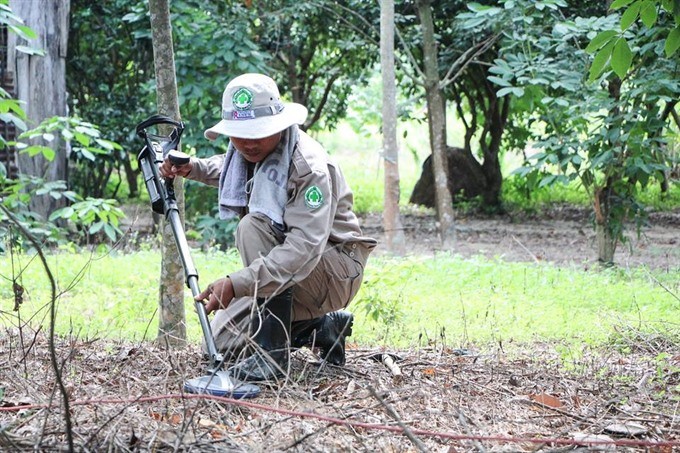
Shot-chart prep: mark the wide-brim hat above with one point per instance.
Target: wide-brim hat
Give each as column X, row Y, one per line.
column 252, row 108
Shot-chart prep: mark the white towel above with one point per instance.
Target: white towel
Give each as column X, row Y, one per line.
column 268, row 186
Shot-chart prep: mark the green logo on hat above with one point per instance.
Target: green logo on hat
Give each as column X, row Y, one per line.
column 242, row 99
column 313, row 197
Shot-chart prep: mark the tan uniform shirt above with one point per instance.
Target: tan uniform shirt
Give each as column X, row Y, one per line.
column 307, row 229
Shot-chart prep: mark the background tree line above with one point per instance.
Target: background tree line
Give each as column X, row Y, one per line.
column 584, row 91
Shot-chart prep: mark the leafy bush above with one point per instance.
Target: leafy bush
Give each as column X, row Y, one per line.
column 93, row 215
column 215, row 232
column 93, row 157
column 90, row 216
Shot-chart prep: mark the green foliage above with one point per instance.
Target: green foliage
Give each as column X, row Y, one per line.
column 214, row 42
column 518, row 197
column 94, row 215
column 109, row 71
column 365, row 117
column 11, row 112
column 607, row 136
column 387, row 311
column 85, row 139
column 91, row 215
column 368, row 195
column 215, row 232
column 15, row 195
column 612, row 47
column 15, row 25
column 320, row 52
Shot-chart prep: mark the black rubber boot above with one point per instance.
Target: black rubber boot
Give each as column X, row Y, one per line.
column 328, row 333
column 272, row 336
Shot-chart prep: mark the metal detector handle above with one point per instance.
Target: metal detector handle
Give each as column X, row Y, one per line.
column 163, row 201
column 156, row 148
column 156, row 120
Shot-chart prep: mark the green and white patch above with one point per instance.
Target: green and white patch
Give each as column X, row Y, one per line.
column 313, row 197
column 242, row 99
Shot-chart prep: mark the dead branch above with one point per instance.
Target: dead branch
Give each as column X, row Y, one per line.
column 53, row 314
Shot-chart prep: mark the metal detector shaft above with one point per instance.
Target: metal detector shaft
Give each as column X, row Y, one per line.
column 163, row 201
column 191, row 276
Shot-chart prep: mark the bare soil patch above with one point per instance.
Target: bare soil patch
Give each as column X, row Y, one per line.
column 127, row 397
column 563, row 235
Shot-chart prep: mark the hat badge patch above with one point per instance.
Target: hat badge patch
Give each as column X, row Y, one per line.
column 313, row 197
column 242, row 99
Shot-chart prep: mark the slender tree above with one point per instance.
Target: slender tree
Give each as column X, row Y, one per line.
column 437, row 122
column 391, row 219
column 172, row 320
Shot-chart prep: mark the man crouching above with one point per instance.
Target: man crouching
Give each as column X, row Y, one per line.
column 302, row 249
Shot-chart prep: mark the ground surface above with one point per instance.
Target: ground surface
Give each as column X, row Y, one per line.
column 127, row 397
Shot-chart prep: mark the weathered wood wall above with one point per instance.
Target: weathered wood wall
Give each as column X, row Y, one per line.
column 41, row 84
column 7, row 130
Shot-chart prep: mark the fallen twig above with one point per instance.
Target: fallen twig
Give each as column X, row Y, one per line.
column 419, row 445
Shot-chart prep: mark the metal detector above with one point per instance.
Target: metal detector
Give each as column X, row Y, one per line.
column 162, row 194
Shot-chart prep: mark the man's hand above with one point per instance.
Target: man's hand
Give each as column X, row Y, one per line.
column 170, row 170
column 218, row 295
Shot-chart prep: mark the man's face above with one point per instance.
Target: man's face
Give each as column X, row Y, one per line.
column 255, row 150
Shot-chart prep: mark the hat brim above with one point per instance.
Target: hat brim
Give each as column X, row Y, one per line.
column 265, row 126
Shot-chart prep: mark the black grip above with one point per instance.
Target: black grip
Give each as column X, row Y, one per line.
column 178, row 157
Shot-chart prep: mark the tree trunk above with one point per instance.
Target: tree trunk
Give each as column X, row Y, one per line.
column 41, row 83
column 606, row 240
column 437, row 124
column 394, row 232
column 131, row 177
column 606, row 197
column 497, row 115
column 606, row 244
column 172, row 320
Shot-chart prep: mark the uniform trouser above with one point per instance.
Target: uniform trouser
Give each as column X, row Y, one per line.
column 329, row 287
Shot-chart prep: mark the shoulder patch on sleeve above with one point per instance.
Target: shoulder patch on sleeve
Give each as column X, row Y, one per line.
column 313, row 197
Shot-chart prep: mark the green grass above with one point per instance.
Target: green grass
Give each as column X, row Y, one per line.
column 515, row 197
column 403, row 302
column 488, row 301
column 114, row 295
